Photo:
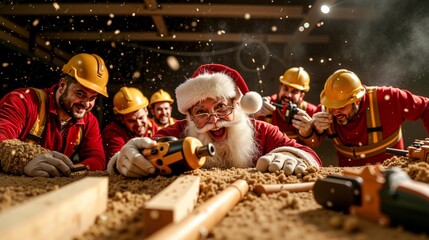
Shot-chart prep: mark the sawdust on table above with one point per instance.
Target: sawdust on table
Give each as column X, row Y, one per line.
column 282, row 215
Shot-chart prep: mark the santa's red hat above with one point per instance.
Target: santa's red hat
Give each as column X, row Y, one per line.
column 216, row 80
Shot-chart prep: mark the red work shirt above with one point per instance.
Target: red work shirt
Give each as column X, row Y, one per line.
column 277, row 117
column 115, row 135
column 267, row 136
column 19, row 111
column 395, row 106
column 171, row 121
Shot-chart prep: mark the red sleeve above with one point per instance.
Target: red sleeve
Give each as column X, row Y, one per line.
column 91, row 151
column 396, row 105
column 17, row 109
column 311, row 109
column 114, row 138
column 270, row 138
column 175, row 130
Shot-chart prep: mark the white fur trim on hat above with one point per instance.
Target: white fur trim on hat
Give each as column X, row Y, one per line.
column 213, row 85
column 204, row 86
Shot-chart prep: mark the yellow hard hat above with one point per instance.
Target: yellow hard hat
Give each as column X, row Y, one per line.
column 89, row 70
column 296, row 77
column 160, row 96
column 341, row 88
column 128, row 99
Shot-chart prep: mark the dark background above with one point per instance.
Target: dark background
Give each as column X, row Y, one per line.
column 383, row 42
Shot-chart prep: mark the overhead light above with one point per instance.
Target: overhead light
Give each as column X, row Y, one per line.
column 325, row 9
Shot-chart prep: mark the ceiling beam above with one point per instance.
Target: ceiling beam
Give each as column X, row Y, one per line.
column 178, row 37
column 137, row 9
column 18, row 37
column 158, row 20
column 180, row 10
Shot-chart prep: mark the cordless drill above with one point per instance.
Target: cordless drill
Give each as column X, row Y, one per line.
column 177, row 156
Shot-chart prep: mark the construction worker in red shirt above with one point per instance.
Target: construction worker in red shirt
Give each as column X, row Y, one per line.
column 363, row 120
column 287, row 109
column 48, row 132
column 160, row 108
column 131, row 120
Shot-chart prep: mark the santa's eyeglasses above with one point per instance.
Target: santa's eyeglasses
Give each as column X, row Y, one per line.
column 203, row 117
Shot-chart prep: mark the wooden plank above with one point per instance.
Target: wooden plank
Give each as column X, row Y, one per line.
column 201, row 221
column 172, row 204
column 61, row 214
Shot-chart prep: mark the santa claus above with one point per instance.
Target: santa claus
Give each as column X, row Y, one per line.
column 216, row 102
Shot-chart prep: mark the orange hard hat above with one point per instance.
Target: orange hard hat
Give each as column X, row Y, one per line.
column 128, row 99
column 296, row 77
column 160, row 96
column 89, row 70
column 341, row 88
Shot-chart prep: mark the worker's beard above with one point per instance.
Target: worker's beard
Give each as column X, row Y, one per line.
column 163, row 120
column 237, row 150
column 67, row 106
column 349, row 116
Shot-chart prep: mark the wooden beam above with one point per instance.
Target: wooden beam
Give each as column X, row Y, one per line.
column 179, row 37
column 158, row 20
column 18, row 37
column 183, row 10
column 140, row 9
column 61, row 214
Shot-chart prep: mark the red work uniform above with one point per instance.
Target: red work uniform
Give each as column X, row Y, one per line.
column 171, row 121
column 19, row 111
column 115, row 135
column 268, row 138
column 278, row 119
column 394, row 107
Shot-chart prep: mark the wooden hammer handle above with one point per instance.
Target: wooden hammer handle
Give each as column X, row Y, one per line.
column 291, row 187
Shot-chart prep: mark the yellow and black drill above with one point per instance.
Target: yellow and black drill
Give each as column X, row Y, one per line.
column 172, row 156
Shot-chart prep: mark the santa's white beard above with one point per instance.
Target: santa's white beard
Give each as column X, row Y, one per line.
column 239, row 147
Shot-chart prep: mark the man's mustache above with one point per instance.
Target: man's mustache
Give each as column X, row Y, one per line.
column 217, row 125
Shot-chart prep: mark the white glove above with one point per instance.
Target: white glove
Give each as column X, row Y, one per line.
column 266, row 109
column 49, row 164
column 272, row 162
column 130, row 162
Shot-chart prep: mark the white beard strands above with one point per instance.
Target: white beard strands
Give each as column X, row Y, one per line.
column 237, row 150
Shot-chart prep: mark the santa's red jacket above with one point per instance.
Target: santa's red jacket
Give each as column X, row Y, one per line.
column 267, row 136
column 115, row 135
column 19, row 111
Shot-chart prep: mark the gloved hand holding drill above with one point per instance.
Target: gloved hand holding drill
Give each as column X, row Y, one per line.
column 130, row 162
column 141, row 157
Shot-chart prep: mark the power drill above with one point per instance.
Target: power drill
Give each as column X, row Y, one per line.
column 177, row 156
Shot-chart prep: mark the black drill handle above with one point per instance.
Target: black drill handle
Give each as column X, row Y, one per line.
column 397, row 152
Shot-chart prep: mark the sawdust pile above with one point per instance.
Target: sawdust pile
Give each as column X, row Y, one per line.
column 282, row 215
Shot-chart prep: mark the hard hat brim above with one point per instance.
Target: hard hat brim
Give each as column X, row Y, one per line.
column 339, row 104
column 87, row 84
